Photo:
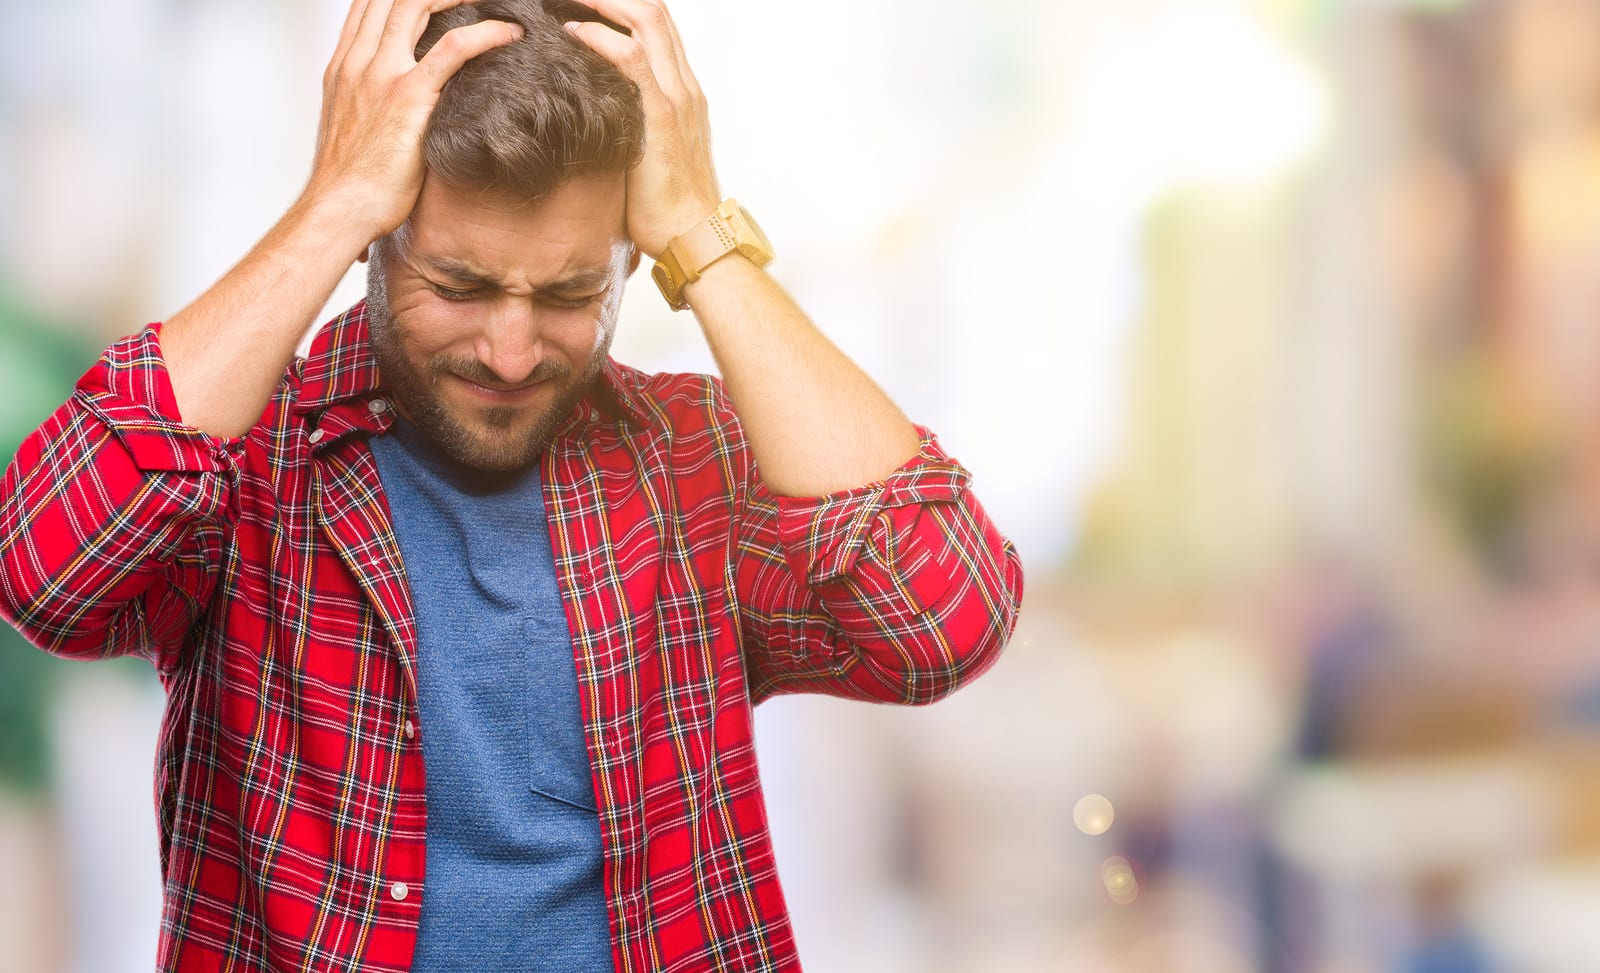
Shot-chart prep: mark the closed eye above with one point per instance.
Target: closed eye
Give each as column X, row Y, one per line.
column 451, row 294
column 573, row 302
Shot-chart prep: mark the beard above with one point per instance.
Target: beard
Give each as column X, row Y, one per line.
column 502, row 439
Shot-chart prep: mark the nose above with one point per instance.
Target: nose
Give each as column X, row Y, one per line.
column 509, row 344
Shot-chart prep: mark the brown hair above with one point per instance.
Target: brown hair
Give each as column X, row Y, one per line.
column 522, row 119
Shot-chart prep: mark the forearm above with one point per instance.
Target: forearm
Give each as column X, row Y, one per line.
column 226, row 352
column 816, row 423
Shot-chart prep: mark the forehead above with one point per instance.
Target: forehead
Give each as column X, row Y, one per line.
column 576, row 228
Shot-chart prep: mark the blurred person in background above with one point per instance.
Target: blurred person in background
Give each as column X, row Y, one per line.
column 365, row 576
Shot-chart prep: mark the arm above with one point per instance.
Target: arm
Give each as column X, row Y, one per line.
column 864, row 566
column 227, row 350
column 114, row 513
column 816, row 422
column 898, row 591
column 113, row 516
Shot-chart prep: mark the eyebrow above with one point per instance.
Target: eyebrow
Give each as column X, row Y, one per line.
column 463, row 272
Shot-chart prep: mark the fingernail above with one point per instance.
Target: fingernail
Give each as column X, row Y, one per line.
column 571, row 25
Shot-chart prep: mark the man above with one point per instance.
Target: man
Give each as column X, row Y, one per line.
column 460, row 620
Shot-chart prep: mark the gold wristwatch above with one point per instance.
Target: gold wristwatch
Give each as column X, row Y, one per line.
column 731, row 228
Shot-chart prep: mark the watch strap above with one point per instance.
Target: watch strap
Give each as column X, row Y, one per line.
column 727, row 230
column 703, row 245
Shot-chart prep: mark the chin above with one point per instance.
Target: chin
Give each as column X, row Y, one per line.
column 497, row 440
column 497, row 452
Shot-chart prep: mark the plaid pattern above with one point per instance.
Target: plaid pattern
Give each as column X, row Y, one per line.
column 261, row 577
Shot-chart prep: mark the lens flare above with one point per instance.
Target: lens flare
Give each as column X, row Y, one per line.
column 1121, row 884
column 1093, row 815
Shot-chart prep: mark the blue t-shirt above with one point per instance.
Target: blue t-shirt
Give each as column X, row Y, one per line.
column 513, row 877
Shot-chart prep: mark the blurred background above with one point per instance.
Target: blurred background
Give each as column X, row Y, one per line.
column 1268, row 331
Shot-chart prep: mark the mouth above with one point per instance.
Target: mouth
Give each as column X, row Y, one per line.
column 502, row 396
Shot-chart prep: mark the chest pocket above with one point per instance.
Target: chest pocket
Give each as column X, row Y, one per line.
column 557, row 758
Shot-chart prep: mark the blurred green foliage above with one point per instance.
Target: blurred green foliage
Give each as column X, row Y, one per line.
column 39, row 361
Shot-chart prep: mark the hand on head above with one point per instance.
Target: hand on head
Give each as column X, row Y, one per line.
column 377, row 98
column 675, row 185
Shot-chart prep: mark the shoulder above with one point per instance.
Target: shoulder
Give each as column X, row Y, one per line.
column 689, row 414
column 674, row 402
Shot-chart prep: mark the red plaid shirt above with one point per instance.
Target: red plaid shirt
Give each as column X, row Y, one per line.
column 261, row 576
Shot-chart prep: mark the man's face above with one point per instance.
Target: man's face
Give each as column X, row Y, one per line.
column 490, row 318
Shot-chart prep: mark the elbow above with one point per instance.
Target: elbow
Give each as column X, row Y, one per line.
column 59, row 635
column 964, row 640
column 971, row 651
column 49, row 619
column 42, row 622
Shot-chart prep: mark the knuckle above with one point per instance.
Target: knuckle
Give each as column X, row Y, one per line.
column 450, row 45
column 420, row 76
column 398, row 21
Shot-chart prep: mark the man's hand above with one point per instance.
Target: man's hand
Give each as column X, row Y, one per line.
column 816, row 423
column 376, row 101
column 226, row 351
column 675, row 185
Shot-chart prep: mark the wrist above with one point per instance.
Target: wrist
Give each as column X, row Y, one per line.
column 321, row 224
column 728, row 231
column 735, row 271
column 690, row 217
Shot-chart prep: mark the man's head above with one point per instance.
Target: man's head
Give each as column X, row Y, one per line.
column 493, row 306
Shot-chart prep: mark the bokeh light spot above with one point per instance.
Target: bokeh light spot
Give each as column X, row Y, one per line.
column 1121, row 884
column 1093, row 815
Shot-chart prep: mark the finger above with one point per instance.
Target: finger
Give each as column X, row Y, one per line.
column 365, row 43
column 347, row 35
column 690, row 82
column 460, row 45
column 651, row 27
column 375, row 26
column 408, row 21
column 625, row 54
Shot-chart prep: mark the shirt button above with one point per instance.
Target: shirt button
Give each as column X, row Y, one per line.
column 316, row 436
column 378, row 406
column 399, row 891
column 530, row 628
column 411, row 729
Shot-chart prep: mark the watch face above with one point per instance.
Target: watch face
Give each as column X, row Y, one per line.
column 752, row 233
column 663, row 279
column 755, row 227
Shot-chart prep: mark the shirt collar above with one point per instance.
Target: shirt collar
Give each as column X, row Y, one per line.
column 341, row 368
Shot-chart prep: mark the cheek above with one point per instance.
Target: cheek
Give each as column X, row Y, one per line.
column 576, row 332
column 428, row 325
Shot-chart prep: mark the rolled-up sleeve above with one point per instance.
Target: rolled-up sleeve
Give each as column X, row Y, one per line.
column 113, row 513
column 899, row 591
